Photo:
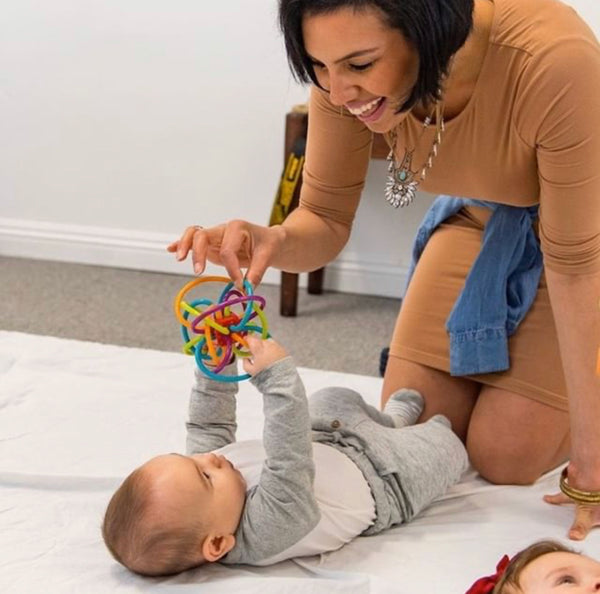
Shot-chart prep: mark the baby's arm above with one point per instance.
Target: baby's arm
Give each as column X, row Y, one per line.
column 282, row 509
column 211, row 423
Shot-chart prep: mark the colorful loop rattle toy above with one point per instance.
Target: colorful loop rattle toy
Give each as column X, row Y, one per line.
column 219, row 330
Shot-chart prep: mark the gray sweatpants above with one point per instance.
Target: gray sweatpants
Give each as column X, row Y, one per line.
column 407, row 468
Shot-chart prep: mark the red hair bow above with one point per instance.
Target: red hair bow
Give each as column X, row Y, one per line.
column 485, row 585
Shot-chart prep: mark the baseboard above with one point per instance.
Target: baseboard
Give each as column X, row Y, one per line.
column 145, row 250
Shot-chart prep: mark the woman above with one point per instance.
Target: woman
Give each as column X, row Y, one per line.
column 493, row 100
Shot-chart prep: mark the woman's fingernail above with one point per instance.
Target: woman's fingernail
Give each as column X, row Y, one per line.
column 179, row 255
column 197, row 268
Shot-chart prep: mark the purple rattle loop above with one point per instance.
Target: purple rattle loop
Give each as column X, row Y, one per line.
column 223, row 305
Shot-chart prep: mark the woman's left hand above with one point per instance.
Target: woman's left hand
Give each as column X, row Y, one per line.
column 587, row 516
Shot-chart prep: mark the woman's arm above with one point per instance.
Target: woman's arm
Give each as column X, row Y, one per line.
column 311, row 241
column 559, row 114
column 305, row 241
column 337, row 158
column 575, row 302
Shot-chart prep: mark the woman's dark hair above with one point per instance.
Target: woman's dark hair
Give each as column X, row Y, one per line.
column 435, row 28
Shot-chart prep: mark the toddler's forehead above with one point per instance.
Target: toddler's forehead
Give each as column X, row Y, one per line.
column 541, row 567
column 566, row 557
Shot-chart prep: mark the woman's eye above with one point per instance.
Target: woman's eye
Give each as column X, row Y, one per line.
column 206, row 475
column 361, row 67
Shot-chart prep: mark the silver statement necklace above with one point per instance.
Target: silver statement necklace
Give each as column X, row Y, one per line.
column 402, row 181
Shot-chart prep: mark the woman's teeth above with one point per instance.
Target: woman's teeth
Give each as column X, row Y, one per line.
column 365, row 108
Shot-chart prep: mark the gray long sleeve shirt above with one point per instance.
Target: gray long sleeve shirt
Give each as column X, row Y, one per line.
column 405, row 468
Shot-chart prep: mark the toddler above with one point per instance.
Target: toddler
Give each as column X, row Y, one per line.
column 326, row 471
column 546, row 567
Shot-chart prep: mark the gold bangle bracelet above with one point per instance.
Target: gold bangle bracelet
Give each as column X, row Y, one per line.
column 577, row 495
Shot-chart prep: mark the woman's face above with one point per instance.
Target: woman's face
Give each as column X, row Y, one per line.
column 561, row 572
column 366, row 66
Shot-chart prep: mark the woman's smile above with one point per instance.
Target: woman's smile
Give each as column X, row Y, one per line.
column 364, row 64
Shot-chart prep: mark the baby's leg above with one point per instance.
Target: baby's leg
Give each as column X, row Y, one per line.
column 427, row 459
column 405, row 407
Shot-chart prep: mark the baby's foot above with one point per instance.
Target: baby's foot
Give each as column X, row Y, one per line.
column 405, row 407
column 443, row 420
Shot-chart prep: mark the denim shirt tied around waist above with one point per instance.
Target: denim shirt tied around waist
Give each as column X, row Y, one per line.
column 499, row 289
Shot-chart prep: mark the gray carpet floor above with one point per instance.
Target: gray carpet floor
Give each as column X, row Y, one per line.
column 335, row 331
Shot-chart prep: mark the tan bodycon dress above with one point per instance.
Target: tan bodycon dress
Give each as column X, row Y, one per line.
column 530, row 134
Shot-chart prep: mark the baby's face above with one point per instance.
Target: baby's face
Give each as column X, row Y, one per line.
column 561, row 572
column 203, row 483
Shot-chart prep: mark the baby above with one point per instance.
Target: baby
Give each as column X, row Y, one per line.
column 545, row 567
column 325, row 472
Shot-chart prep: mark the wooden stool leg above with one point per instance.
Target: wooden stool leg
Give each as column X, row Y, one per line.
column 288, row 294
column 295, row 128
column 315, row 281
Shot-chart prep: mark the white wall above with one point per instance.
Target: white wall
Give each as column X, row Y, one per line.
column 123, row 122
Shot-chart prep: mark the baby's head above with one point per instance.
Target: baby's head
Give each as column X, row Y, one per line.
column 546, row 567
column 174, row 513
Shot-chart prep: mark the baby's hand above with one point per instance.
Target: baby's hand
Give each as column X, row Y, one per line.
column 263, row 354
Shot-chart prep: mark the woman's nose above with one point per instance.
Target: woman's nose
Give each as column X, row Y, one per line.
column 341, row 91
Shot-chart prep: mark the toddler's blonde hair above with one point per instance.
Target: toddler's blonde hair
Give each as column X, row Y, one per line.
column 509, row 581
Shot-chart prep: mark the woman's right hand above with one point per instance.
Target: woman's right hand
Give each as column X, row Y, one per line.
column 236, row 244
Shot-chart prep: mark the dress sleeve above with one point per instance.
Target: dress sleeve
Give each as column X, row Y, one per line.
column 559, row 115
column 337, row 158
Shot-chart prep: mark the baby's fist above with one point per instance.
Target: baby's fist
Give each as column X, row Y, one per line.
column 262, row 354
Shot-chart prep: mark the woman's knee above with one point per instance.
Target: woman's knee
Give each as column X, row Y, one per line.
column 513, row 440
column 505, row 459
column 502, row 467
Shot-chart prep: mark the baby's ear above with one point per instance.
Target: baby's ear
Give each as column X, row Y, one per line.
column 214, row 547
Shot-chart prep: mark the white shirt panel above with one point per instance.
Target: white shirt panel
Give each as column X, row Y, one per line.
column 343, row 496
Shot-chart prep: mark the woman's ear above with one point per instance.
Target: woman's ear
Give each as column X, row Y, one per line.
column 216, row 546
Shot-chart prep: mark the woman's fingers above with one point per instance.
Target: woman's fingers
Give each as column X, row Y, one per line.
column 557, row 499
column 586, row 516
column 236, row 244
column 265, row 248
column 199, row 250
column 182, row 246
column 233, row 245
